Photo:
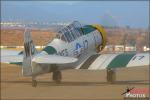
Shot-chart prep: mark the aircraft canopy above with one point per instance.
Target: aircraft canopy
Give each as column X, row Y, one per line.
column 70, row 32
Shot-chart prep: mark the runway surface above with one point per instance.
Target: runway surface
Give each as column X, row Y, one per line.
column 76, row 84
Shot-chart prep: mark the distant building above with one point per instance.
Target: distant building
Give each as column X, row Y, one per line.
column 146, row 48
column 109, row 48
column 130, row 48
column 118, row 48
column 12, row 24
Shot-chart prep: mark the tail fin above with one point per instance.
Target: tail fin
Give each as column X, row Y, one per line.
column 29, row 52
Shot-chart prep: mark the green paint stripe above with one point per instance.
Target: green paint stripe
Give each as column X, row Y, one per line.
column 50, row 50
column 16, row 63
column 21, row 52
column 120, row 61
column 88, row 29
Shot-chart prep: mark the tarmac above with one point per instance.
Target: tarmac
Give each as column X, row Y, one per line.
column 76, row 84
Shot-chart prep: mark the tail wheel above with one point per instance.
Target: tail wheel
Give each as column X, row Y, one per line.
column 57, row 76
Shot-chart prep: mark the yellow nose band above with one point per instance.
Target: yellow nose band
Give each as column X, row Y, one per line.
column 103, row 34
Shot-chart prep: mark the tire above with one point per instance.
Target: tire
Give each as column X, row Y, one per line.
column 57, row 76
column 34, row 83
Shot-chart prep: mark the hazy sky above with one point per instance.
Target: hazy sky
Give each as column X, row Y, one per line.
column 122, row 13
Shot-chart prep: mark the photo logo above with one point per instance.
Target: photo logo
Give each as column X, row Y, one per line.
column 135, row 92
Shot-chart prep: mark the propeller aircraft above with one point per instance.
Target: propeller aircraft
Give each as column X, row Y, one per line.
column 75, row 46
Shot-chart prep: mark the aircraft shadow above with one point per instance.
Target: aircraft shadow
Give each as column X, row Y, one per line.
column 69, row 83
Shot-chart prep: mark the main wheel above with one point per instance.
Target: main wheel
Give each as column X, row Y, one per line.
column 34, row 83
column 111, row 75
column 57, row 76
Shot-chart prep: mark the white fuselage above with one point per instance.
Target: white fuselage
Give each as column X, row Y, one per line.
column 81, row 48
column 86, row 43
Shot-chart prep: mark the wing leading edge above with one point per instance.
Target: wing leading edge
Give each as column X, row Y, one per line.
column 53, row 59
column 41, row 59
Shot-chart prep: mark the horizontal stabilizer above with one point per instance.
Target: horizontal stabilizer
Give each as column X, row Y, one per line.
column 5, row 52
column 53, row 59
column 12, row 59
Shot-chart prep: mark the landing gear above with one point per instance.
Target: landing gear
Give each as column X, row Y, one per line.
column 57, row 76
column 34, row 82
column 111, row 75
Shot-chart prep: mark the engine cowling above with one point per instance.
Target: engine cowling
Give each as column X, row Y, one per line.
column 103, row 35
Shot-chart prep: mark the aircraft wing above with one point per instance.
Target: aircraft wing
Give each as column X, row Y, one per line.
column 41, row 59
column 11, row 56
column 12, row 59
column 53, row 59
column 116, row 60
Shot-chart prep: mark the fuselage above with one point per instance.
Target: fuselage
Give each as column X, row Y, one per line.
column 72, row 42
column 90, row 38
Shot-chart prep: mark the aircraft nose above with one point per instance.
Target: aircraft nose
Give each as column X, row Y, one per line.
column 102, row 33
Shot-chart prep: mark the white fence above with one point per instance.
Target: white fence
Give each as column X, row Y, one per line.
column 121, row 48
column 117, row 48
column 20, row 47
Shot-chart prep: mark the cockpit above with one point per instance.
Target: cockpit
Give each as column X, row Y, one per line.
column 73, row 31
column 70, row 32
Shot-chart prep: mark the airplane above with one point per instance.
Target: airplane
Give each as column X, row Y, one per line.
column 75, row 46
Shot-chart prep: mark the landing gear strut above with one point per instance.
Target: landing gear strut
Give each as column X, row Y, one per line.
column 34, row 82
column 57, row 76
column 111, row 75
